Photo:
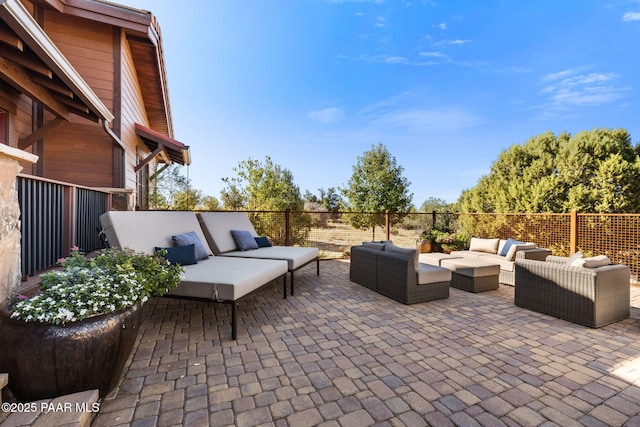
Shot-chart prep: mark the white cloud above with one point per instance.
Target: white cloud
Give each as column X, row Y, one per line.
column 327, row 115
column 569, row 87
column 433, row 54
column 380, row 22
column 442, row 26
column 451, row 42
column 631, row 16
column 429, row 121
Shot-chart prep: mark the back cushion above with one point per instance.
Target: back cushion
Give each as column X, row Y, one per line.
column 484, row 245
column 145, row 230
column 217, row 228
column 411, row 253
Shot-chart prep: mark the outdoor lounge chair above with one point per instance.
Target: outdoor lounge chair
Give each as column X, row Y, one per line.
column 221, row 279
column 592, row 297
column 218, row 226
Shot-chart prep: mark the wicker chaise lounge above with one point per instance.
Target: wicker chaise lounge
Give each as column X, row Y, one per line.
column 591, row 297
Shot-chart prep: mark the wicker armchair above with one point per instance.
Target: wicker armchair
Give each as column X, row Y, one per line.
column 393, row 272
column 591, row 297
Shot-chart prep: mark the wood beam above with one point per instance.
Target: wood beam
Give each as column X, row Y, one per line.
column 54, row 85
column 75, row 104
column 8, row 37
column 150, row 157
column 16, row 77
column 28, row 60
column 36, row 136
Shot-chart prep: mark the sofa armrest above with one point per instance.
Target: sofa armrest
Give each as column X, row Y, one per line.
column 396, row 273
column 363, row 266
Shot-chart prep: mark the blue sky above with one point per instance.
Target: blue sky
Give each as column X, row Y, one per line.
column 445, row 85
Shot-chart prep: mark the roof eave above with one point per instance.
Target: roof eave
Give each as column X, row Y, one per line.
column 23, row 24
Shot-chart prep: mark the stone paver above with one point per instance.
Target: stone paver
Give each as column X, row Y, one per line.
column 339, row 354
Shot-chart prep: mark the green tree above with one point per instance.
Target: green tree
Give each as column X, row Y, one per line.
column 329, row 199
column 596, row 171
column 209, row 203
column 186, row 200
column 267, row 187
column 444, row 213
column 376, row 185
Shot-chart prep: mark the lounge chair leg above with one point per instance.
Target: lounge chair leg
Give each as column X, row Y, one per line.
column 284, row 285
column 234, row 321
column 318, row 265
column 292, row 283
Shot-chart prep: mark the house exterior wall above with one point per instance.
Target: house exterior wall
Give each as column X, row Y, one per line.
column 132, row 112
column 80, row 151
column 95, row 43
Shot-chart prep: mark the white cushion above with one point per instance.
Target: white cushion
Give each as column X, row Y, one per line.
column 232, row 277
column 217, row 228
column 427, row 274
column 296, row 257
column 145, row 230
column 594, row 262
column 472, row 267
column 511, row 254
column 484, row 245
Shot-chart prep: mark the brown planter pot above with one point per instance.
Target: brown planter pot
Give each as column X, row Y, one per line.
column 426, row 246
column 45, row 360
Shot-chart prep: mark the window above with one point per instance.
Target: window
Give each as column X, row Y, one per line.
column 143, row 188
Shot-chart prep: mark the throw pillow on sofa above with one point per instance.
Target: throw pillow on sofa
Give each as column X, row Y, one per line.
column 593, row 262
column 484, row 245
column 507, row 246
column 511, row 255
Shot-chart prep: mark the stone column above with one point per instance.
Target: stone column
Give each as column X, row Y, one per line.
column 10, row 218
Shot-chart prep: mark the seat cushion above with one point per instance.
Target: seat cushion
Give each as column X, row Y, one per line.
column 427, row 273
column 472, row 267
column 232, row 277
column 296, row 257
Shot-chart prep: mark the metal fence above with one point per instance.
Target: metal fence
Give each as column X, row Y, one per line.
column 614, row 235
column 55, row 217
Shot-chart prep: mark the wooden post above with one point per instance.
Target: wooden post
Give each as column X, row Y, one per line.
column 573, row 245
column 287, row 224
column 388, row 224
column 433, row 219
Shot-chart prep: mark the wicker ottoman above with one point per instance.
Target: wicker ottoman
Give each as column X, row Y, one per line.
column 473, row 275
column 436, row 258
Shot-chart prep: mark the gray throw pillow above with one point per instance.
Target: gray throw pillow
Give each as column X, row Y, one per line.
column 244, row 240
column 191, row 238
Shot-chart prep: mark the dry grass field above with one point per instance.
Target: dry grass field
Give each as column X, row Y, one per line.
column 335, row 240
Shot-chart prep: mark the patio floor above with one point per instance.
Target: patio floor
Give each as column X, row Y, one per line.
column 338, row 354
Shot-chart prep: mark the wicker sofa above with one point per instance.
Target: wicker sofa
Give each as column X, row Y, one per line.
column 502, row 252
column 395, row 272
column 591, row 297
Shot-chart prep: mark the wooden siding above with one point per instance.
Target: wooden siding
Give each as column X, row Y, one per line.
column 133, row 112
column 81, row 151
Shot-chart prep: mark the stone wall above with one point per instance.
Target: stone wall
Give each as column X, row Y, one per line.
column 10, row 273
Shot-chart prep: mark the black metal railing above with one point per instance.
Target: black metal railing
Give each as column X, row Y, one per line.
column 56, row 216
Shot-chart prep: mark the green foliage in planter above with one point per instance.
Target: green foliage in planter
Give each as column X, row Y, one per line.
column 110, row 282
